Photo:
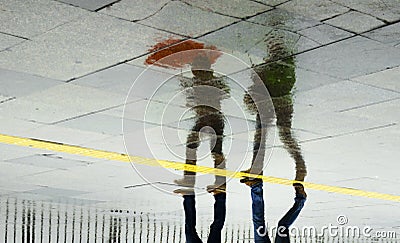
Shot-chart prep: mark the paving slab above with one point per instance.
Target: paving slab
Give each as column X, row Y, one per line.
column 388, row 10
column 61, row 134
column 7, row 41
column 92, row 5
column 47, row 160
column 100, row 123
column 325, row 34
column 350, row 58
column 387, row 79
column 55, row 104
column 183, row 19
column 341, row 96
column 251, row 42
column 282, row 19
column 31, row 18
column 355, row 22
column 17, row 84
column 314, row 9
column 16, row 127
column 78, row 47
column 120, row 78
column 129, row 10
column 272, row 2
column 235, row 8
column 319, row 121
column 388, row 34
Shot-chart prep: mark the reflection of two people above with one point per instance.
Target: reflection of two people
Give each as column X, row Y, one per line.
column 279, row 78
column 204, row 93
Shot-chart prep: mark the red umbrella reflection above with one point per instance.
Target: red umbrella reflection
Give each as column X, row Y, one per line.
column 181, row 58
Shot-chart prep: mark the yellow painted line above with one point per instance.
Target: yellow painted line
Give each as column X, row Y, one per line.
column 100, row 154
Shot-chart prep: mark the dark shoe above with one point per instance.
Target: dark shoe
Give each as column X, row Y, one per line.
column 251, row 181
column 299, row 188
column 216, row 189
column 184, row 191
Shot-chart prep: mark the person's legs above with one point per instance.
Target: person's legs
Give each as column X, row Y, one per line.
column 219, row 218
column 189, row 205
column 282, row 233
column 260, row 229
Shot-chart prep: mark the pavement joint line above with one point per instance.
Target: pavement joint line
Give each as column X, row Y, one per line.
column 101, row 154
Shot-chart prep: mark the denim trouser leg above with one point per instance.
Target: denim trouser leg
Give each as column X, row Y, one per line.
column 189, row 205
column 282, row 233
column 219, row 218
column 260, row 229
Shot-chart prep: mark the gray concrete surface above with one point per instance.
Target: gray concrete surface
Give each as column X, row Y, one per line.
column 66, row 68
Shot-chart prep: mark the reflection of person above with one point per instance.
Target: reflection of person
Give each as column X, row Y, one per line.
column 278, row 76
column 204, row 94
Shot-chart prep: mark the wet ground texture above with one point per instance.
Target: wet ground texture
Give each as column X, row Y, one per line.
column 305, row 90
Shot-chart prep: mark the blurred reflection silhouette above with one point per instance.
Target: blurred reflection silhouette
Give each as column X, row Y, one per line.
column 204, row 93
column 278, row 75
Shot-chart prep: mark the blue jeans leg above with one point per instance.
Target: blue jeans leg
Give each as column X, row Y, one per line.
column 219, row 218
column 260, row 229
column 282, row 233
column 189, row 205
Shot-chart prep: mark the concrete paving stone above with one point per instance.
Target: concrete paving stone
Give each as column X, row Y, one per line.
column 81, row 47
column 154, row 112
column 129, row 10
column 121, row 78
column 48, row 161
column 314, row 9
column 16, row 186
column 8, row 152
column 55, row 104
column 93, row 178
column 388, row 111
column 34, row 17
column 92, row 5
column 63, row 135
column 235, row 8
column 308, row 80
column 343, row 96
column 272, row 3
column 16, row 127
column 282, row 19
column 352, row 162
column 7, row 41
column 180, row 18
column 55, row 192
column 386, row 79
column 17, row 84
column 251, row 41
column 388, row 10
column 350, row 58
column 14, row 170
column 330, row 123
column 112, row 143
column 388, row 34
column 325, row 34
column 355, row 22
column 99, row 123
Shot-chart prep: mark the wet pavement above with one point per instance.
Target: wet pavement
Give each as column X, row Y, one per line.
column 195, row 91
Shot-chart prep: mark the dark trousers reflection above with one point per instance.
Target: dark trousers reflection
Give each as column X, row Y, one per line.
column 190, row 218
column 258, row 215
